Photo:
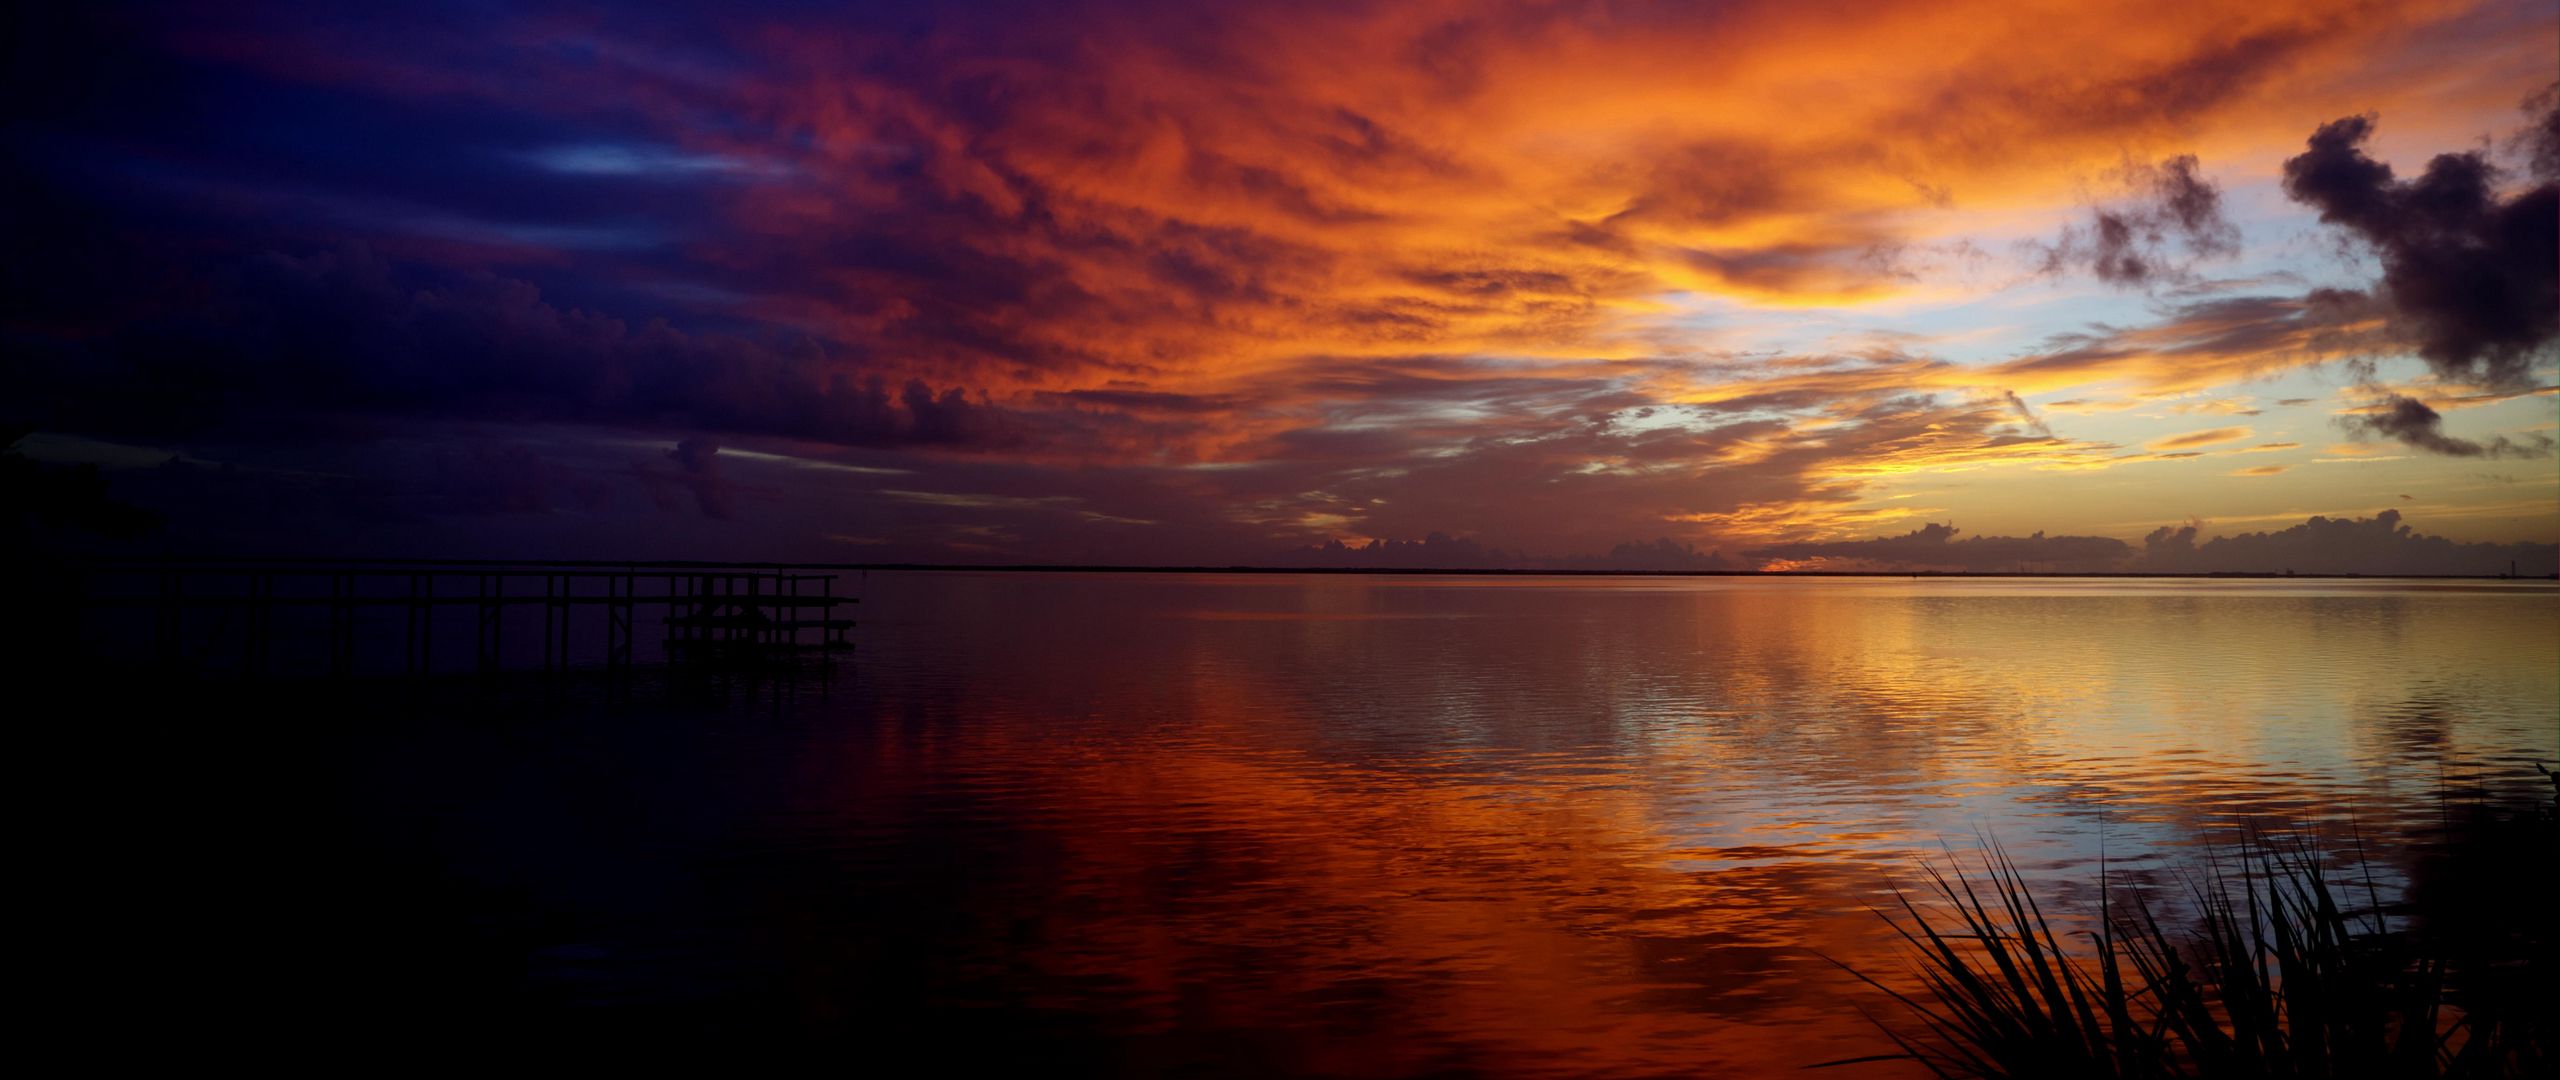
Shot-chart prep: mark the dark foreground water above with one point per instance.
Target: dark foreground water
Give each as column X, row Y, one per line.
column 1293, row 825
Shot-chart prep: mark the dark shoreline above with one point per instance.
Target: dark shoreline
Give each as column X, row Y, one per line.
column 211, row 562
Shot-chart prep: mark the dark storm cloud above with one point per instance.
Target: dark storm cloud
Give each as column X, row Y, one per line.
column 2172, row 218
column 211, row 229
column 2419, row 426
column 251, row 337
column 2469, row 274
column 2542, row 140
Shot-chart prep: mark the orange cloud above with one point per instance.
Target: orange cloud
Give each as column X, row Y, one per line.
column 2193, row 439
column 1241, row 194
column 1548, row 274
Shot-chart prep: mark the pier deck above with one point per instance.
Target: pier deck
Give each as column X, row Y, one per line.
column 236, row 610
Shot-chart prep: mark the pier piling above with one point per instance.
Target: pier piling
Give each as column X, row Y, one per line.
column 281, row 618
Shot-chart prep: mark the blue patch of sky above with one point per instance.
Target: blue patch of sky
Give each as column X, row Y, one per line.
column 631, row 159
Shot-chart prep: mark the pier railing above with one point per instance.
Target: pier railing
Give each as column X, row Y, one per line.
column 264, row 617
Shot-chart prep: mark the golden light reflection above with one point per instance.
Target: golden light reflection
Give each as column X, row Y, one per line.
column 1440, row 820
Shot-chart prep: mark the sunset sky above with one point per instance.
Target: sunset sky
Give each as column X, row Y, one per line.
column 1213, row 283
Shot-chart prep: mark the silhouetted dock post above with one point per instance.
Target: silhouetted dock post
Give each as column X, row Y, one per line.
column 618, row 628
column 833, row 637
column 828, row 636
column 695, row 635
column 680, row 609
column 692, row 607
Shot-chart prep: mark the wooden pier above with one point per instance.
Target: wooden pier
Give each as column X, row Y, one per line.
column 343, row 618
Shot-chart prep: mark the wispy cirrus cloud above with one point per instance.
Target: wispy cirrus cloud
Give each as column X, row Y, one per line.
column 2192, row 439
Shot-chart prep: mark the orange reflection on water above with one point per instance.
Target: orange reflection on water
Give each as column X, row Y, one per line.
column 1385, row 827
column 1400, row 923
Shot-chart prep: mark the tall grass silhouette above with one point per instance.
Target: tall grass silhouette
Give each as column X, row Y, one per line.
column 2271, row 975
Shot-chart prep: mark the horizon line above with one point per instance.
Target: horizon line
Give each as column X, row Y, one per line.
column 229, row 561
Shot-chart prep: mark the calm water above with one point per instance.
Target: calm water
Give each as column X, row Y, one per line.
column 1375, row 826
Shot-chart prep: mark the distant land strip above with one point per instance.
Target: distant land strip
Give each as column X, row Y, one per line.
column 249, row 561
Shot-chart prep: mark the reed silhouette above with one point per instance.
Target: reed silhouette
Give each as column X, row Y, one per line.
column 2282, row 974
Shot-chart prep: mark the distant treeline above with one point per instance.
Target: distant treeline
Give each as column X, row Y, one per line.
column 2379, row 546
